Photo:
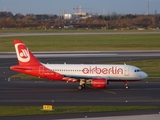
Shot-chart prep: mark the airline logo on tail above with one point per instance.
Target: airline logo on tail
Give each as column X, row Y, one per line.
column 22, row 52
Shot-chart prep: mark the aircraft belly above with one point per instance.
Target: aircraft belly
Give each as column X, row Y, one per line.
column 123, row 78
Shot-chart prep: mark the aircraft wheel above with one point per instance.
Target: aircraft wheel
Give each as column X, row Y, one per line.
column 83, row 85
column 126, row 84
column 80, row 87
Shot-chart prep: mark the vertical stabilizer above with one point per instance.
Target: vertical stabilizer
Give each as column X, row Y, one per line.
column 24, row 55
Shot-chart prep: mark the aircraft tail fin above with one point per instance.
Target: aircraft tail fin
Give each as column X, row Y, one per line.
column 24, row 55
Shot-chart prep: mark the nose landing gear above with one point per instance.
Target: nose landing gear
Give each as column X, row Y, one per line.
column 126, row 84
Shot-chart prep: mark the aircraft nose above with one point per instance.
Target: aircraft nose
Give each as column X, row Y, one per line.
column 144, row 75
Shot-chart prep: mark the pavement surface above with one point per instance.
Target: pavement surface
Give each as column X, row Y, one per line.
column 73, row 33
column 18, row 92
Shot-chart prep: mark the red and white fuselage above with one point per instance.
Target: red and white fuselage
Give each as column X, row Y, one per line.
column 98, row 75
column 110, row 72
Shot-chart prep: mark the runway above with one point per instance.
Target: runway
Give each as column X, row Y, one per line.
column 27, row 92
column 90, row 57
column 73, row 33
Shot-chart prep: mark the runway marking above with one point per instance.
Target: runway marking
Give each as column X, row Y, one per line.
column 32, row 90
column 107, row 91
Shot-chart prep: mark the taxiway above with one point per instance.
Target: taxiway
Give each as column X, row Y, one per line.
column 73, row 33
column 38, row 92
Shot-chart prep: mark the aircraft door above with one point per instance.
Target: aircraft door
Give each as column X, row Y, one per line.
column 126, row 70
column 41, row 70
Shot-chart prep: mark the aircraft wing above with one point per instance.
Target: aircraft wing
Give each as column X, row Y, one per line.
column 79, row 76
column 76, row 78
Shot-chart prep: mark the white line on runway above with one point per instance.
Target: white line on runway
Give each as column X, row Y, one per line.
column 130, row 117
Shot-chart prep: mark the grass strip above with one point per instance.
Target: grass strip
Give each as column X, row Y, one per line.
column 37, row 110
column 84, row 42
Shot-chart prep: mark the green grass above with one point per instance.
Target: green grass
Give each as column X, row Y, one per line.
column 84, row 42
column 36, row 110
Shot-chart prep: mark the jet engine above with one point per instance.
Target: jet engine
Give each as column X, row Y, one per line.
column 99, row 83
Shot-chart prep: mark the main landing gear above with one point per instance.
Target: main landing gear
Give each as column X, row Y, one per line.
column 81, row 84
column 80, row 87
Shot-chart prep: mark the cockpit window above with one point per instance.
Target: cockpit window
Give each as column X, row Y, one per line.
column 137, row 70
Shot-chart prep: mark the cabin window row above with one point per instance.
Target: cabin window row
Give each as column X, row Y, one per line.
column 67, row 70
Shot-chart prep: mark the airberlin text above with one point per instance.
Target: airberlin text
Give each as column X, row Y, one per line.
column 98, row 70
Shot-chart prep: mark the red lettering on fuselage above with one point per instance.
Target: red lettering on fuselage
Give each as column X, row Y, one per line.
column 98, row 70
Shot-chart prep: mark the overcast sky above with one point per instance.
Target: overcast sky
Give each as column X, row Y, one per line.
column 96, row 6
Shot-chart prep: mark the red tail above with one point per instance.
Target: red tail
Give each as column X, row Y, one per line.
column 28, row 64
column 25, row 57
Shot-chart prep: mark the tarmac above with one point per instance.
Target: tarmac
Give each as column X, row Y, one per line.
column 19, row 92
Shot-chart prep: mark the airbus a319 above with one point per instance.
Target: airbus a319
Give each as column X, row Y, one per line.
column 97, row 75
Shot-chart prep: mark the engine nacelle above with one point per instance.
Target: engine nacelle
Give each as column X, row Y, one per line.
column 99, row 83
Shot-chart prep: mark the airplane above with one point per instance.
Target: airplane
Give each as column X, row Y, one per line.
column 97, row 75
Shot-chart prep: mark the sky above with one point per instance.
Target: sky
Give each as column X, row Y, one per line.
column 93, row 6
